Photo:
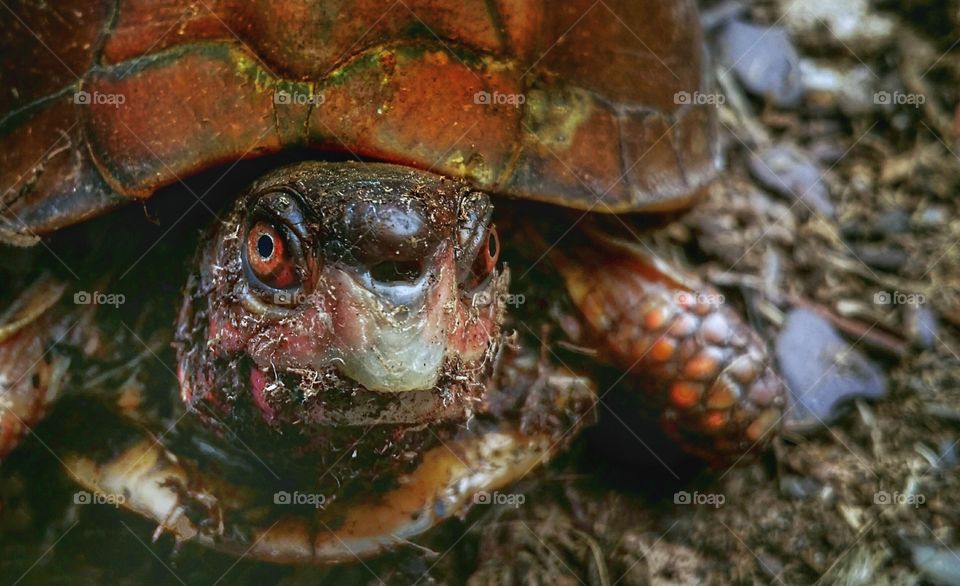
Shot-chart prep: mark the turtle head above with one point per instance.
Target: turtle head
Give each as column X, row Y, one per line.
column 326, row 281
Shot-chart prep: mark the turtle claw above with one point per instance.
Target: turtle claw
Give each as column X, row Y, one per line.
column 143, row 477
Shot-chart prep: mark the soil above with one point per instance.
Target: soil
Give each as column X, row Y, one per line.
column 811, row 509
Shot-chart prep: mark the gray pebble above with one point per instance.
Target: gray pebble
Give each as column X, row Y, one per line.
column 940, row 565
column 883, row 257
column 822, row 371
column 798, row 487
column 764, row 60
column 892, row 221
column 922, row 326
column 932, row 216
column 787, row 171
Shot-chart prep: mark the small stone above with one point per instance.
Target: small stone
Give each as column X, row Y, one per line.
column 889, row 223
column 948, row 455
column 893, row 221
column 764, row 60
column 851, row 88
column 884, row 258
column 787, row 171
column 932, row 216
column 799, row 487
column 853, row 230
column 822, row 371
column 839, row 24
column 922, row 326
column 938, row 564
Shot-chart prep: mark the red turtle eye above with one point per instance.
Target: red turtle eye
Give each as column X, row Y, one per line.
column 487, row 257
column 270, row 257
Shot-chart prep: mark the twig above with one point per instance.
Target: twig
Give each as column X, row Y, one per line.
column 871, row 336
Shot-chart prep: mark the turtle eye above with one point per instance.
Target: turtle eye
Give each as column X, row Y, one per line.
column 487, row 257
column 271, row 256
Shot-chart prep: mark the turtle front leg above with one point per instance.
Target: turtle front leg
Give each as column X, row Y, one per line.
column 532, row 410
column 706, row 370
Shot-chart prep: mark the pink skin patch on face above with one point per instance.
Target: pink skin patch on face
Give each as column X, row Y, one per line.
column 299, row 340
column 258, row 382
column 223, row 335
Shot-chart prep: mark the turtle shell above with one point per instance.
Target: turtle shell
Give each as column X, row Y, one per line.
column 573, row 103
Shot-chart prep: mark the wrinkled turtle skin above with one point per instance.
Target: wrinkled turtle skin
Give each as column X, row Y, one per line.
column 354, row 331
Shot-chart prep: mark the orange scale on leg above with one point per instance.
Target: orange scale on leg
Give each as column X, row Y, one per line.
column 714, row 421
column 702, row 366
column 656, row 318
column 663, row 350
column 684, row 395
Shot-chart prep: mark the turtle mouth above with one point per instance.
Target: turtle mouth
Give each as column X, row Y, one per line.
column 327, row 398
column 395, row 333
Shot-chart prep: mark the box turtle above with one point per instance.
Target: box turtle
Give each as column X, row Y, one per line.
column 433, row 278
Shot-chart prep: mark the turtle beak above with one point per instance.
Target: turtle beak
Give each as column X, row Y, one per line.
column 402, row 305
column 395, row 331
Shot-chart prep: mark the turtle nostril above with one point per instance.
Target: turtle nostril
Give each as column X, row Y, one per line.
column 405, row 271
